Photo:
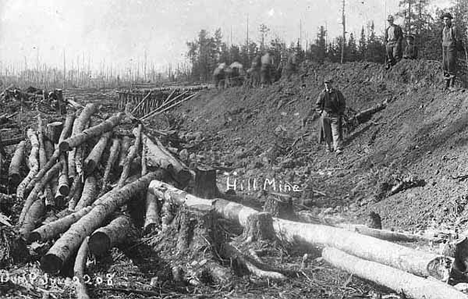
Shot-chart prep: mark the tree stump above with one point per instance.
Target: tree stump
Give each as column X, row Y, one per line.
column 280, row 205
column 205, row 183
column 259, row 228
column 374, row 221
column 53, row 131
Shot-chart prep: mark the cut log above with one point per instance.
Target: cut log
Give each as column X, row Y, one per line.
column 33, row 165
column 394, row 255
column 49, row 198
column 144, row 151
column 157, row 156
column 54, row 228
column 410, row 285
column 14, row 171
column 32, row 218
column 205, row 183
column 43, row 171
column 381, row 233
column 113, row 155
column 89, row 193
column 79, row 269
column 62, row 249
column 63, row 185
column 97, row 130
column 35, row 192
column 108, row 236
column 54, row 131
column 152, row 219
column 67, row 127
column 132, row 153
column 94, row 156
column 124, row 151
column 77, row 188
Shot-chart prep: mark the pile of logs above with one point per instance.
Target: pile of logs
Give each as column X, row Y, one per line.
column 81, row 176
column 147, row 103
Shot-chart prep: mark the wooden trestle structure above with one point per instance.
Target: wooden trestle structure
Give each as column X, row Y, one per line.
column 148, row 102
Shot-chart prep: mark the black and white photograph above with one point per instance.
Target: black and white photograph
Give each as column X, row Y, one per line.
column 231, row 149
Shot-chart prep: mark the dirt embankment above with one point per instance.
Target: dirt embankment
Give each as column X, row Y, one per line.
column 406, row 163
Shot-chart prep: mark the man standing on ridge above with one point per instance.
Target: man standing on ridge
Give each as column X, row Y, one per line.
column 393, row 41
column 331, row 106
column 450, row 42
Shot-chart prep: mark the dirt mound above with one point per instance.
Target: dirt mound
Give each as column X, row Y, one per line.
column 415, row 146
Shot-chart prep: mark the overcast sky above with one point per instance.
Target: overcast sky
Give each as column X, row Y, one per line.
column 119, row 32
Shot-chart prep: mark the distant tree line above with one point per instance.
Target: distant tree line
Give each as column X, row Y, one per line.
column 207, row 51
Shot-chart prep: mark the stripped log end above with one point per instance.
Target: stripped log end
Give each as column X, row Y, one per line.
column 64, row 190
column 64, row 146
column 99, row 243
column 34, row 236
column 50, row 263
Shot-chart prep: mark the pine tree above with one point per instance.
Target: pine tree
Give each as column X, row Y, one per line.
column 362, row 45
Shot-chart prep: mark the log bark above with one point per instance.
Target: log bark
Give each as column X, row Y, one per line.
column 67, row 127
column 114, row 154
column 33, row 165
column 79, row 269
column 53, row 261
column 205, row 183
column 94, row 156
column 417, row 262
column 89, row 193
column 410, row 285
column 14, row 171
column 54, row 131
column 124, row 151
column 35, row 192
column 53, row 229
column 132, row 153
column 108, row 236
column 63, row 185
column 97, row 130
column 157, row 156
column 32, row 218
column 381, row 233
column 152, row 219
column 77, row 188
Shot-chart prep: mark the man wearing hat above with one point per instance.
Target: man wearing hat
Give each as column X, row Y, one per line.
column 393, row 40
column 411, row 51
column 331, row 106
column 450, row 38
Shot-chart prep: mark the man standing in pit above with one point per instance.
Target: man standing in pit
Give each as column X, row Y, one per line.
column 331, row 106
column 450, row 42
column 393, row 40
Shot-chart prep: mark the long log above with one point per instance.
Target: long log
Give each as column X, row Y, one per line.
column 124, row 151
column 89, row 193
column 133, row 152
column 63, row 184
column 413, row 261
column 14, row 173
column 34, row 214
column 382, row 233
column 94, row 156
column 79, row 268
column 52, row 229
column 410, row 285
column 33, row 165
column 152, row 218
column 62, row 249
column 43, row 171
column 157, row 156
column 35, row 192
column 108, row 236
column 67, row 127
column 97, row 130
column 113, row 155
column 49, row 198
